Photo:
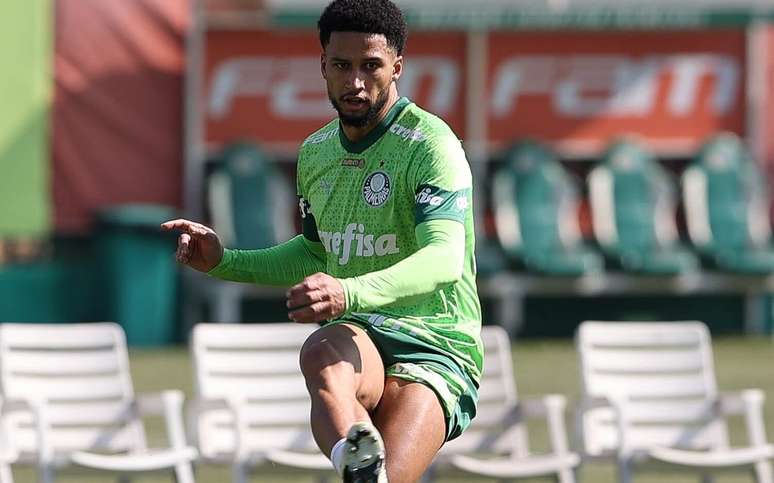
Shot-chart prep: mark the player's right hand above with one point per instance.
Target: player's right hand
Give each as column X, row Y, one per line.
column 198, row 246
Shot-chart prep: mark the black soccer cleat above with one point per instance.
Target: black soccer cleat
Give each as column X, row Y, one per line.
column 364, row 455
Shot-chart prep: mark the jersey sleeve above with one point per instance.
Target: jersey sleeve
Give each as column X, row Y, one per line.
column 438, row 262
column 281, row 265
column 284, row 264
column 441, row 182
column 308, row 223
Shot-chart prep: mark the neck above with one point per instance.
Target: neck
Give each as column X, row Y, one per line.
column 355, row 134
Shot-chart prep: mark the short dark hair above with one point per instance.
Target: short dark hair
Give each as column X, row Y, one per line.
column 367, row 16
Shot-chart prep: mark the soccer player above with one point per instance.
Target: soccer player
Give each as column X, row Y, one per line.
column 385, row 262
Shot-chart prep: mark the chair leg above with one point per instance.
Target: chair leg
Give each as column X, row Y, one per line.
column 184, row 473
column 624, row 471
column 764, row 472
column 566, row 475
column 707, row 478
column 239, row 473
column 45, row 474
column 6, row 476
column 227, row 304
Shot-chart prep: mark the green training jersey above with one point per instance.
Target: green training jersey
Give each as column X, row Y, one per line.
column 363, row 200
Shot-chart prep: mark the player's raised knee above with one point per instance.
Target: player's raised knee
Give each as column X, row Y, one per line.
column 320, row 355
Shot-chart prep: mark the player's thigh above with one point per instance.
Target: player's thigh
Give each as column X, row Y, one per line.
column 412, row 423
column 347, row 344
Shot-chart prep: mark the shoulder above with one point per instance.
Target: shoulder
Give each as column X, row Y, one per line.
column 418, row 126
column 315, row 146
column 428, row 135
column 439, row 154
column 322, row 135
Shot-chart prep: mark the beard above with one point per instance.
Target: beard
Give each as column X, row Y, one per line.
column 362, row 120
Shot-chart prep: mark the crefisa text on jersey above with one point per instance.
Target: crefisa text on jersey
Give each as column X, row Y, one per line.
column 365, row 244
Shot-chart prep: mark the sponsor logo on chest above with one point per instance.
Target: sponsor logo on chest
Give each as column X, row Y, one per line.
column 355, row 239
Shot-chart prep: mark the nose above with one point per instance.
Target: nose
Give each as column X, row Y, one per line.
column 355, row 80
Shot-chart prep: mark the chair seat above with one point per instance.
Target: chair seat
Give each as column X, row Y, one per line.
column 150, row 460
column 668, row 261
column 490, row 260
column 307, row 461
column 576, row 261
column 715, row 458
column 529, row 466
column 750, row 261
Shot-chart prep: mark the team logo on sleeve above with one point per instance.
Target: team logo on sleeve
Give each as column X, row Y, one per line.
column 376, row 188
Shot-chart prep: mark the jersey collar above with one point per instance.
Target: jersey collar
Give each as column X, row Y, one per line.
column 377, row 132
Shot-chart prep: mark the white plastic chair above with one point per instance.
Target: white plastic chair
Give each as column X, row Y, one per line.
column 496, row 443
column 68, row 400
column 650, row 395
column 252, row 408
column 8, row 453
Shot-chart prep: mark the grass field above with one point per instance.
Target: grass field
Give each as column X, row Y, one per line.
column 540, row 366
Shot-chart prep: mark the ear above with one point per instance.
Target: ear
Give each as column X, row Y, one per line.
column 322, row 66
column 397, row 68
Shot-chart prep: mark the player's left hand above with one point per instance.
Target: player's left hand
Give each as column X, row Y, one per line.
column 317, row 298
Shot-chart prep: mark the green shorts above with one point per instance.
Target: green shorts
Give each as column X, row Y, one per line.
column 408, row 358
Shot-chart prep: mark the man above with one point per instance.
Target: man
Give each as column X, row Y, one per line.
column 385, row 262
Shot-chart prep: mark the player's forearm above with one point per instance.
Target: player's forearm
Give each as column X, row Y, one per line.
column 438, row 262
column 284, row 264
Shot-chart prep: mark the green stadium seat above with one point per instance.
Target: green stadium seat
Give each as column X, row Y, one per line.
column 727, row 208
column 250, row 205
column 633, row 212
column 244, row 193
column 535, row 204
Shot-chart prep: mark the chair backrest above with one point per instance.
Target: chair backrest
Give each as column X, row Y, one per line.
column 80, row 374
column 495, row 429
column 535, row 202
column 250, row 203
column 661, row 374
column 632, row 200
column 726, row 197
column 255, row 368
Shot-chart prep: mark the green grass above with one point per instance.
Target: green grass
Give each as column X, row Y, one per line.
column 541, row 367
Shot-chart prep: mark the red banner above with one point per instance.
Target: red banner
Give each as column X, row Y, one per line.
column 267, row 86
column 576, row 90
column 117, row 122
column 768, row 124
column 581, row 89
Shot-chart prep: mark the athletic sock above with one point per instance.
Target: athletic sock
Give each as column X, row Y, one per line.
column 336, row 456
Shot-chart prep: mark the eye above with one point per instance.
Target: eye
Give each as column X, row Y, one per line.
column 371, row 65
column 340, row 65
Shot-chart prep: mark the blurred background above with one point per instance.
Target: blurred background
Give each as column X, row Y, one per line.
column 622, row 152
